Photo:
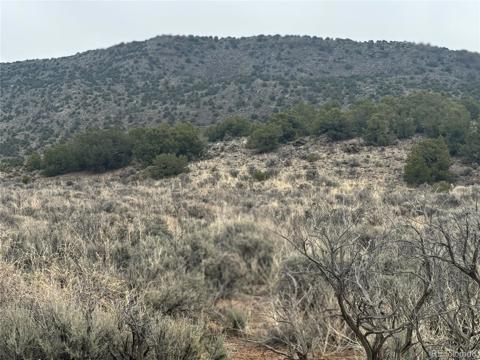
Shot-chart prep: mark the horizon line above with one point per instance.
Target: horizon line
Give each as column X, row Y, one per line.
column 223, row 37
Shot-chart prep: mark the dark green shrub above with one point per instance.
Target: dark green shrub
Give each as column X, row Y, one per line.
column 260, row 175
column 287, row 131
column 378, row 131
column 437, row 115
column 425, row 108
column 303, row 117
column 60, row 159
column 471, row 149
column 455, row 126
column 100, row 150
column 265, row 138
column 473, row 107
column 187, row 138
column 359, row 113
column 165, row 165
column 183, row 139
column 229, row 128
column 33, row 162
column 291, row 124
column 404, row 127
column 150, row 142
column 95, row 150
column 335, row 124
column 428, row 162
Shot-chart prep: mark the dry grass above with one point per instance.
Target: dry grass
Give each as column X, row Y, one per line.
column 98, row 240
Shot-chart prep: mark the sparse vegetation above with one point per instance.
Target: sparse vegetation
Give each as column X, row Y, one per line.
column 134, row 268
column 379, row 124
column 346, row 226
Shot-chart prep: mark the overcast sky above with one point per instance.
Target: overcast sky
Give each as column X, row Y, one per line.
column 44, row 29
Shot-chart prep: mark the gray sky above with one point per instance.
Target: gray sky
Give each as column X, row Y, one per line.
column 44, row 29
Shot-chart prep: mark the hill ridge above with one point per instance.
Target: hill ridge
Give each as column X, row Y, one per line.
column 171, row 78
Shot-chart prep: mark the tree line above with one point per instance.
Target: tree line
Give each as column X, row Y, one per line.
column 380, row 123
column 451, row 124
column 99, row 150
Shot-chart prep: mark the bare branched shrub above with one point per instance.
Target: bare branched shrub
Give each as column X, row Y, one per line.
column 454, row 238
column 450, row 242
column 379, row 290
column 405, row 291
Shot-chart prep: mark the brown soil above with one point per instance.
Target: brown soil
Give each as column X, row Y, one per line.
column 241, row 349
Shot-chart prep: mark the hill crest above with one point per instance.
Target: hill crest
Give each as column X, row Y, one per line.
column 205, row 79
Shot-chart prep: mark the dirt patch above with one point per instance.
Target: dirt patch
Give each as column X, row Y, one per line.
column 241, row 349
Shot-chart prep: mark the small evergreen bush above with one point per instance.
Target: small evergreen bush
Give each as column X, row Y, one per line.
column 378, row 132
column 335, row 124
column 265, row 138
column 166, row 165
column 229, row 128
column 259, row 175
column 33, row 162
column 428, row 162
column 471, row 149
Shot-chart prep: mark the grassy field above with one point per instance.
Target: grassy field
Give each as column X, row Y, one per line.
column 123, row 267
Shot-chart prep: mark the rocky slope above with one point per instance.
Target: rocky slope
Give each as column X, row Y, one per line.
column 203, row 79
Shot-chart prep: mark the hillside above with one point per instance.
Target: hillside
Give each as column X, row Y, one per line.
column 204, row 79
